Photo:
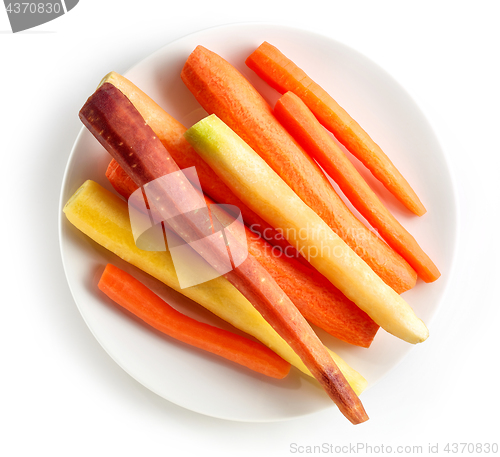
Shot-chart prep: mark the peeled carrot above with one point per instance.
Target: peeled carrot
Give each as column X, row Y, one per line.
column 103, row 217
column 298, row 119
column 135, row 297
column 317, row 299
column 120, row 128
column 124, row 185
column 120, row 181
column 283, row 75
column 222, row 90
column 251, row 178
column 171, row 133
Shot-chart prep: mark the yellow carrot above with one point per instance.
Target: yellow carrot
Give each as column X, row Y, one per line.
column 254, row 182
column 103, row 216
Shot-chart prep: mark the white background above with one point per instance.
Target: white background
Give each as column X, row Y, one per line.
column 61, row 394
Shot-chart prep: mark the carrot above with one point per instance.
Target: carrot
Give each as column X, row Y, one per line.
column 298, row 119
column 120, row 128
column 125, row 186
column 120, row 181
column 222, row 90
column 103, row 217
column 283, row 75
column 171, row 134
column 135, row 297
column 251, row 179
column 317, row 299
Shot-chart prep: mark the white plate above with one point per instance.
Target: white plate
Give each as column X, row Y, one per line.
column 204, row 383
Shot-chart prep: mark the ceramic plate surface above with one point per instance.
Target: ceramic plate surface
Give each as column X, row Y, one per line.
column 205, row 383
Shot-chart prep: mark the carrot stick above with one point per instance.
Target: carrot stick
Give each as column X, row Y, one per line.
column 120, row 180
column 317, row 299
column 119, row 127
column 103, row 217
column 135, row 297
column 251, row 178
column 298, row 119
column 283, row 75
column 125, row 186
column 171, row 134
column 222, row 90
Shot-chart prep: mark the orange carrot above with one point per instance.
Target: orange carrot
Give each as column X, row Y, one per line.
column 222, row 90
column 283, row 75
column 120, row 128
column 120, row 181
column 171, row 133
column 135, row 297
column 298, row 119
column 317, row 299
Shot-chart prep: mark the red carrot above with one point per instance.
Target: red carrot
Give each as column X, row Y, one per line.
column 171, row 133
column 222, row 90
column 135, row 297
column 317, row 299
column 298, row 119
column 213, row 186
column 120, row 128
column 283, row 75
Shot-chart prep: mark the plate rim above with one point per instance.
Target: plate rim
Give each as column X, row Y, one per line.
column 317, row 35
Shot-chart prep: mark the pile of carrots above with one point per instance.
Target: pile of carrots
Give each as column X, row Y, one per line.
column 295, row 139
